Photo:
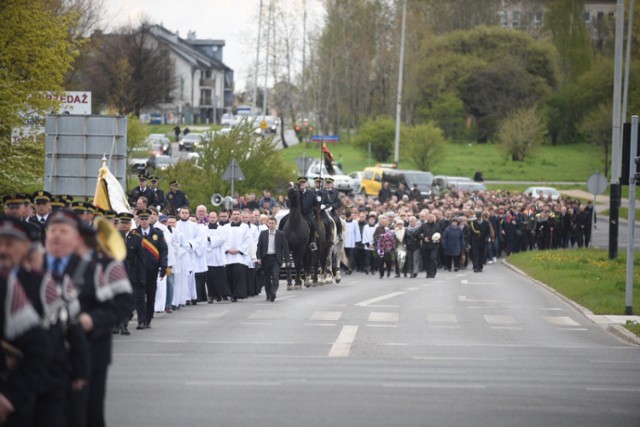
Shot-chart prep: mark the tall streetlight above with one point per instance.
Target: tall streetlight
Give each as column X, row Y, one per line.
column 396, row 153
column 266, row 67
column 255, row 84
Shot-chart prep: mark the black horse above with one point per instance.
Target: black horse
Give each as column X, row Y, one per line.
column 297, row 232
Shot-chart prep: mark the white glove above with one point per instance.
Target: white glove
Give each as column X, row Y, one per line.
column 322, row 206
column 318, row 198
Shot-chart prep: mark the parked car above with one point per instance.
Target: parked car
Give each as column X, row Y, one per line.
column 374, row 176
column 160, row 143
column 342, row 182
column 442, row 182
column 190, row 141
column 544, row 192
column 357, row 180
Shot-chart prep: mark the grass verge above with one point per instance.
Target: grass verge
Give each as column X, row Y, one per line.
column 586, row 276
column 623, row 214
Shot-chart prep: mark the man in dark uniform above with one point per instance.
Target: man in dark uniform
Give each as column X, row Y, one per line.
column 43, row 391
column 84, row 210
column 415, row 193
column 154, row 253
column 42, row 202
column 142, row 191
column 176, row 198
column 104, row 293
column 430, row 234
column 480, row 232
column 272, row 251
column 15, row 206
column 133, row 263
column 161, row 200
column 57, row 203
column 308, row 199
column 332, row 199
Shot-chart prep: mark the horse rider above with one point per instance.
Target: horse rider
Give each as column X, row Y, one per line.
column 321, row 197
column 308, row 199
column 332, row 200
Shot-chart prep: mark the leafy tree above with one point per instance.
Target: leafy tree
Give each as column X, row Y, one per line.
column 596, row 128
column 521, row 132
column 262, row 165
column 564, row 20
column 491, row 70
column 36, row 53
column 424, row 145
column 130, row 70
column 380, row 133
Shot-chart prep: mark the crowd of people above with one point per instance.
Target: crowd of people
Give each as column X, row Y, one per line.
column 67, row 288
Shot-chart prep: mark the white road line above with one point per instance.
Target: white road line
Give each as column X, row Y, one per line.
column 321, row 324
column 378, row 299
column 265, row 315
column 342, row 346
column 433, row 385
column 560, row 321
column 462, row 359
column 467, row 282
column 383, row 317
column 256, row 323
column 463, row 298
column 234, row 383
column 326, row 316
column 380, row 325
column 499, row 319
column 447, row 318
column 412, row 289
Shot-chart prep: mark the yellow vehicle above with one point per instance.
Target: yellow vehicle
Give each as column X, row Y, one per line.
column 374, row 176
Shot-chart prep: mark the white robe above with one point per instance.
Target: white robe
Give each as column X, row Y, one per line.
column 216, row 239
column 238, row 238
column 351, row 234
column 367, row 236
column 190, row 231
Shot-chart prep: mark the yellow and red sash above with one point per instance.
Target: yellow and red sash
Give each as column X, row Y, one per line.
column 151, row 248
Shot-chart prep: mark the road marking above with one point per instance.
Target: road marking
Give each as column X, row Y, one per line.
column 620, row 389
column 442, row 318
column 467, row 282
column 380, row 326
column 326, row 316
column 256, row 323
column 383, row 317
column 265, row 315
column 499, row 319
column 560, row 321
column 378, row 299
column 463, row 298
column 433, row 385
column 462, row 359
column 342, row 346
column 235, row 383
column 511, row 328
column 321, row 324
column 411, row 289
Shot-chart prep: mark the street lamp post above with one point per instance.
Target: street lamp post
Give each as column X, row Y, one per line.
column 396, row 152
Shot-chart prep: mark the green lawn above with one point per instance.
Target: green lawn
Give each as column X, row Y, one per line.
column 586, row 276
column 624, row 213
column 560, row 163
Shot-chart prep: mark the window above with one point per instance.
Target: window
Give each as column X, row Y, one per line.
column 377, row 177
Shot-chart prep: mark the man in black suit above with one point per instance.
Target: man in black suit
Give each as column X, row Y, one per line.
column 143, row 191
column 273, row 250
column 154, row 253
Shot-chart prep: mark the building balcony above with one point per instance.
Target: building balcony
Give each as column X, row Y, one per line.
column 207, row 82
column 206, row 102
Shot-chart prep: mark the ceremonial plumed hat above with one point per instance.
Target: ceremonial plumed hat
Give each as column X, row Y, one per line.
column 317, row 178
column 174, row 182
column 329, row 179
column 154, row 178
column 142, row 177
column 302, row 179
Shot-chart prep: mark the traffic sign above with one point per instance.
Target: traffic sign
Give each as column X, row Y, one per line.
column 233, row 172
column 263, row 124
column 597, row 184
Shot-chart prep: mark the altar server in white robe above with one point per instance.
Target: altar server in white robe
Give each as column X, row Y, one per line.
column 190, row 232
column 238, row 250
column 217, row 286
column 161, row 290
column 182, row 266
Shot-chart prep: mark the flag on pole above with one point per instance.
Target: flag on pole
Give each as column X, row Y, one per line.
column 328, row 159
column 109, row 193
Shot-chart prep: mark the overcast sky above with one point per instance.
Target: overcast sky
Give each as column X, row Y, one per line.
column 234, row 21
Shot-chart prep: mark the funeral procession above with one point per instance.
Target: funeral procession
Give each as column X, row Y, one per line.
column 319, row 213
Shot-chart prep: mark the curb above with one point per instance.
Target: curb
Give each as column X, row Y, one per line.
column 614, row 329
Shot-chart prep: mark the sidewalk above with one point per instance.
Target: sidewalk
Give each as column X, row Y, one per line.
column 613, row 324
column 602, row 201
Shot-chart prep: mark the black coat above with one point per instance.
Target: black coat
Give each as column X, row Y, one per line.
column 155, row 249
column 176, row 200
column 480, row 232
column 20, row 327
column 139, row 192
column 427, row 230
column 281, row 246
column 135, row 261
column 307, row 201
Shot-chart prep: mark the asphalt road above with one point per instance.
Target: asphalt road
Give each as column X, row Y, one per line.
column 489, row 349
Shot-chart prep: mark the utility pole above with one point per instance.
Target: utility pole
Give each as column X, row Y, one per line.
column 255, row 84
column 266, row 66
column 396, row 153
column 616, row 135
